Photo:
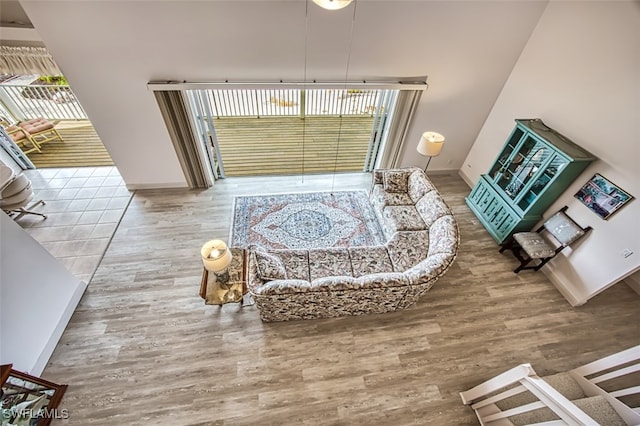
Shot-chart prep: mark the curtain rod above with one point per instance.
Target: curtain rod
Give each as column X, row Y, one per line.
column 184, row 85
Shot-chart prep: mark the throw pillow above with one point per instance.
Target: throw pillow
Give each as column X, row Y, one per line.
column 270, row 267
column 396, row 181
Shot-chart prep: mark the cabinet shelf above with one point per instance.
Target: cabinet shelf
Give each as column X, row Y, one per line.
column 535, row 165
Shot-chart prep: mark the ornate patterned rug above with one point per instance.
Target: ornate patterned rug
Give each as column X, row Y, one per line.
column 305, row 220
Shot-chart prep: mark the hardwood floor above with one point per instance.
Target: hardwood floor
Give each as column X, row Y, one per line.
column 142, row 348
column 249, row 145
column 82, row 147
column 290, row 145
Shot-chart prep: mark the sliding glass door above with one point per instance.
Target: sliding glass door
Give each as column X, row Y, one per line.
column 245, row 129
column 291, row 131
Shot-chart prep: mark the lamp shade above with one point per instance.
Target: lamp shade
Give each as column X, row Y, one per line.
column 216, row 256
column 430, row 144
column 332, row 4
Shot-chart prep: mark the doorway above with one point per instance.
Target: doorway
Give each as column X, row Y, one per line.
column 250, row 132
column 76, row 143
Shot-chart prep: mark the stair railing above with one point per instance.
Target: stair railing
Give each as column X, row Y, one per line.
column 486, row 410
column 592, row 376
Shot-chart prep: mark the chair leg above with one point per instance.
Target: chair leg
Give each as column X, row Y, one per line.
column 542, row 263
column 523, row 264
column 522, row 257
column 34, row 145
column 507, row 245
column 518, row 253
column 27, row 210
column 58, row 134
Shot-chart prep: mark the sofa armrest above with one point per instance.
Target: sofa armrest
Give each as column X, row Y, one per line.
column 430, row 268
column 378, row 176
column 253, row 278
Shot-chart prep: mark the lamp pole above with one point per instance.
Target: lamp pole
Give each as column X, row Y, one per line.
column 427, row 166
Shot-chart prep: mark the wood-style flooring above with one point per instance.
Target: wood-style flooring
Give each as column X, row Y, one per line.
column 143, row 348
column 249, row 145
column 292, row 145
column 81, row 147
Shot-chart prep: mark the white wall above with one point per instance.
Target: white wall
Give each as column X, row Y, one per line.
column 37, row 298
column 580, row 74
column 110, row 50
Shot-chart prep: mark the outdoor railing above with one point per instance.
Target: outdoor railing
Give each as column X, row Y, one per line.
column 52, row 102
column 262, row 103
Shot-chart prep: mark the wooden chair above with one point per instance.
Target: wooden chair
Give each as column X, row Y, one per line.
column 21, row 137
column 40, row 130
column 561, row 231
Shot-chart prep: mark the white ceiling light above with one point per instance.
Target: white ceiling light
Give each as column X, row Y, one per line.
column 332, row 4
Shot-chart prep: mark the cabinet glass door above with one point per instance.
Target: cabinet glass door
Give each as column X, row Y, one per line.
column 542, row 181
column 523, row 166
column 505, row 156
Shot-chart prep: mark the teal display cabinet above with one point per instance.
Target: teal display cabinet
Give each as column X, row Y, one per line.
column 534, row 167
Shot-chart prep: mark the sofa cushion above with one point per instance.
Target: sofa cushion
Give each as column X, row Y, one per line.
column 402, row 218
column 431, row 207
column 339, row 282
column 36, row 125
column 407, row 248
column 418, row 185
column 16, row 133
column 387, row 279
column 296, row 263
column 396, row 180
column 381, row 198
column 270, row 267
column 443, row 236
column 329, row 262
column 282, row 287
column 369, row 260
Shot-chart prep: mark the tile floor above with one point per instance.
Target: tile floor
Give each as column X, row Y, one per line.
column 83, row 206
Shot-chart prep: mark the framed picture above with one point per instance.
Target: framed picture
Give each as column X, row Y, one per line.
column 602, row 196
column 29, row 400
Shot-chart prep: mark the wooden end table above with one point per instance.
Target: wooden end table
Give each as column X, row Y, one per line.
column 216, row 292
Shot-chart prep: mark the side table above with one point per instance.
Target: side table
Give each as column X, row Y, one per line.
column 214, row 291
column 27, row 399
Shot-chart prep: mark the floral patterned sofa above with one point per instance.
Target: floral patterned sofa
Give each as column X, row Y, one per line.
column 422, row 242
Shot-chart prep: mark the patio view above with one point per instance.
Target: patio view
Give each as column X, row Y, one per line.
column 251, row 132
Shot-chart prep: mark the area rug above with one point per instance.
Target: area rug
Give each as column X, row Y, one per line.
column 305, row 220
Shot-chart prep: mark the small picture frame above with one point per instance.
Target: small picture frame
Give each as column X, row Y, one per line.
column 603, row 197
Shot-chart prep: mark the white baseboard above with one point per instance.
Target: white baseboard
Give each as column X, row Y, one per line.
column 441, row 171
column 635, row 286
column 573, row 299
column 633, row 281
column 169, row 185
column 465, row 178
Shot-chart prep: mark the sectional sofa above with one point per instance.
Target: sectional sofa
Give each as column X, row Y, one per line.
column 421, row 244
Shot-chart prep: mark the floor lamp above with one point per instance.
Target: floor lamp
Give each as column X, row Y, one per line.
column 430, row 145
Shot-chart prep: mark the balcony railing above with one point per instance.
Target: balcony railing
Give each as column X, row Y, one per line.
column 25, row 102
column 265, row 103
